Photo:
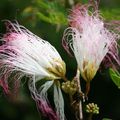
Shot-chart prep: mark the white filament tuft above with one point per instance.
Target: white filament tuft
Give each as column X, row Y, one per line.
column 59, row 102
column 89, row 40
column 23, row 51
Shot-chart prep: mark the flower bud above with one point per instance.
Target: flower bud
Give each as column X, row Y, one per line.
column 92, row 108
column 69, row 87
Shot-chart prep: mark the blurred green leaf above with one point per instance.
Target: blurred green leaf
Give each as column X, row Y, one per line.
column 115, row 76
column 43, row 17
column 51, row 12
column 106, row 119
column 111, row 14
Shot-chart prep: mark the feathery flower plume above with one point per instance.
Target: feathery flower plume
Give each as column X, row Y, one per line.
column 25, row 54
column 89, row 40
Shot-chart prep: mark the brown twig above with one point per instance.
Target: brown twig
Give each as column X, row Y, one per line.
column 87, row 88
column 90, row 116
column 79, row 90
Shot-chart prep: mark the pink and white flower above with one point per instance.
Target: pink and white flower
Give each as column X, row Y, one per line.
column 90, row 41
column 24, row 53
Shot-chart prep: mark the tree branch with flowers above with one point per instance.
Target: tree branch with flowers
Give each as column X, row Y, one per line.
column 88, row 38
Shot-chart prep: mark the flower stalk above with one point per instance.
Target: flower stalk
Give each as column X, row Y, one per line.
column 87, row 89
column 80, row 111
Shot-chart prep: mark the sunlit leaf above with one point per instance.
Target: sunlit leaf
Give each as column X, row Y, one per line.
column 115, row 76
column 106, row 119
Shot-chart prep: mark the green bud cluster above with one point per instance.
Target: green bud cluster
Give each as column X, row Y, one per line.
column 69, row 87
column 92, row 108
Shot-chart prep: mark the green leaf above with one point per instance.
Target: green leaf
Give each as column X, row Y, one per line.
column 52, row 12
column 43, row 17
column 106, row 119
column 115, row 76
column 111, row 14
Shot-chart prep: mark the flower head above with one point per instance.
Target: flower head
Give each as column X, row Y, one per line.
column 89, row 40
column 24, row 53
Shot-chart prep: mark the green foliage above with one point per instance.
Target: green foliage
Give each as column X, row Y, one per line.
column 115, row 76
column 106, row 119
column 55, row 12
column 51, row 12
column 111, row 14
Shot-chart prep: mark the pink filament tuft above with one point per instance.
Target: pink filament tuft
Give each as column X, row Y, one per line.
column 10, row 88
column 4, row 85
column 4, row 82
column 46, row 110
column 77, row 15
column 81, row 20
column 10, row 36
column 44, row 107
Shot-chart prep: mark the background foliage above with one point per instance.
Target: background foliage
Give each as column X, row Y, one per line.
column 48, row 19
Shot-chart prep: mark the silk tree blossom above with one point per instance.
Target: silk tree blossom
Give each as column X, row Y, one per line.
column 24, row 53
column 90, row 41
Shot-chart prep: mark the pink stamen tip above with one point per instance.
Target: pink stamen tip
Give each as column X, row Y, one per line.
column 10, row 36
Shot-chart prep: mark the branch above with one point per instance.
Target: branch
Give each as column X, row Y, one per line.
column 80, row 116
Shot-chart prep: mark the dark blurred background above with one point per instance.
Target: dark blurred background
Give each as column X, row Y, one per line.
column 47, row 19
